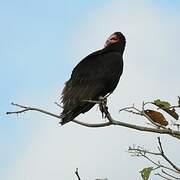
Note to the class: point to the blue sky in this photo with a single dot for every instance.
(41, 41)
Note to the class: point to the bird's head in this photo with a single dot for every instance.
(116, 37)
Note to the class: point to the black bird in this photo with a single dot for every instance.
(96, 75)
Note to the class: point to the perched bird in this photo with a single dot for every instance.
(96, 75)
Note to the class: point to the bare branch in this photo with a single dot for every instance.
(92, 125)
(132, 110)
(142, 152)
(165, 157)
(77, 174)
(138, 151)
(58, 105)
(164, 177)
(26, 108)
(158, 166)
(170, 175)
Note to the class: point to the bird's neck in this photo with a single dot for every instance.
(116, 47)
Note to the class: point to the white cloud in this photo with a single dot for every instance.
(54, 152)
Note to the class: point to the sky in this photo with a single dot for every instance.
(40, 43)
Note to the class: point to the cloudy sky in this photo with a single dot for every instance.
(40, 43)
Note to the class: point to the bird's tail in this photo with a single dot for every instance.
(67, 117)
(65, 120)
(70, 115)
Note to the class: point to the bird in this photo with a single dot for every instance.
(97, 75)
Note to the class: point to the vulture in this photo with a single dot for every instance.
(97, 75)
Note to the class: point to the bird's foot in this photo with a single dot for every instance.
(103, 106)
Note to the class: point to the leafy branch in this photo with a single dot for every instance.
(145, 173)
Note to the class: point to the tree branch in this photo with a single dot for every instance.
(77, 174)
(132, 126)
(144, 153)
(164, 177)
(165, 157)
(170, 175)
(26, 108)
(110, 122)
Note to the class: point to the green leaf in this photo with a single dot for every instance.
(166, 106)
(162, 104)
(145, 173)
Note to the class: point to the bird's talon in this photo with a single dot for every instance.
(103, 106)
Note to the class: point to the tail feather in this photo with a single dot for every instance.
(65, 118)
(72, 114)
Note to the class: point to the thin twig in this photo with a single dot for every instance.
(165, 157)
(58, 104)
(132, 150)
(77, 174)
(151, 161)
(142, 152)
(164, 177)
(170, 175)
(26, 108)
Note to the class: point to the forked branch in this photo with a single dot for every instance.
(27, 108)
(165, 157)
(171, 168)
